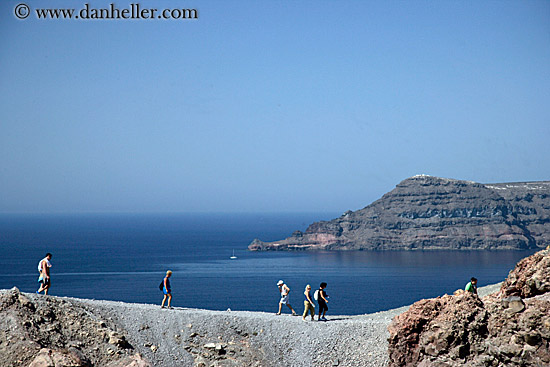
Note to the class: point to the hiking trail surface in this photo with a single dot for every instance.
(37, 330)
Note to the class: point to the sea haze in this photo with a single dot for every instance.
(123, 257)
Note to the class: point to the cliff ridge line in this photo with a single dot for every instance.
(433, 213)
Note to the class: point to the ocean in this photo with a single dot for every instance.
(123, 257)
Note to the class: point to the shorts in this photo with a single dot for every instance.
(323, 307)
(44, 281)
(284, 299)
(165, 291)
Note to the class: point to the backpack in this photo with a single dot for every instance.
(316, 295)
(161, 285)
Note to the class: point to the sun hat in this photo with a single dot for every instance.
(280, 282)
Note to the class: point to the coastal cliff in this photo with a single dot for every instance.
(431, 213)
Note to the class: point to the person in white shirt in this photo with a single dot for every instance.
(284, 290)
(44, 268)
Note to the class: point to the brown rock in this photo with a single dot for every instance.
(55, 358)
(530, 277)
(513, 303)
(46, 331)
(461, 330)
(444, 325)
(131, 361)
(118, 340)
(25, 302)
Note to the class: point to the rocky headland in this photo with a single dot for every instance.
(431, 213)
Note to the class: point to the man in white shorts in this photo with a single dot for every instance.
(284, 290)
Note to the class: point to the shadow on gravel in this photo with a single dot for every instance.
(337, 319)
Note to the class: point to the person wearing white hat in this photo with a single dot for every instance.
(284, 290)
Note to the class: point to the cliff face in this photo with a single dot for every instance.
(426, 213)
(509, 328)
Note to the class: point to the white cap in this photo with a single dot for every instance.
(280, 282)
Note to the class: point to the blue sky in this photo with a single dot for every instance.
(269, 105)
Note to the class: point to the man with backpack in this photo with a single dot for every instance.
(166, 289)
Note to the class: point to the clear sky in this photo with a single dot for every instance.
(268, 105)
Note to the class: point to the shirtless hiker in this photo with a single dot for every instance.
(44, 268)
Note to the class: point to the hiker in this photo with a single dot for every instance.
(322, 300)
(44, 266)
(167, 290)
(472, 286)
(284, 290)
(309, 306)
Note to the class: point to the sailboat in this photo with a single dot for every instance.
(233, 257)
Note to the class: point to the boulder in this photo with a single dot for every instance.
(135, 360)
(530, 277)
(513, 303)
(118, 339)
(464, 330)
(56, 358)
(444, 325)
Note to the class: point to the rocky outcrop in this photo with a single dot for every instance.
(509, 328)
(53, 332)
(530, 277)
(427, 213)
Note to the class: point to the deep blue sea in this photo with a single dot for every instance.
(124, 257)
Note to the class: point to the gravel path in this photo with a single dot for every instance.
(194, 337)
(180, 337)
(249, 338)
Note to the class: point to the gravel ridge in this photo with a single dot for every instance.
(197, 337)
(274, 340)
